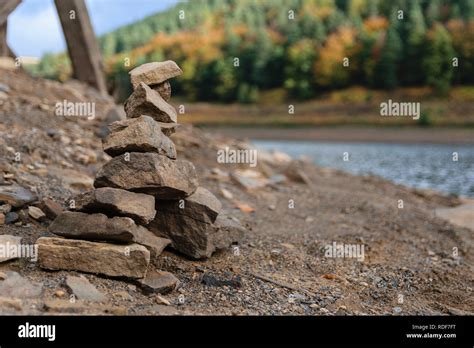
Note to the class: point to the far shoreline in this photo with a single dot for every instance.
(397, 135)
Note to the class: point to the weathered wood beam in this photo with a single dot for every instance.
(7, 7)
(3, 40)
(81, 42)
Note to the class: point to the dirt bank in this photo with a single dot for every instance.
(413, 263)
(414, 135)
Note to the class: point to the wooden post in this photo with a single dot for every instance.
(3, 40)
(82, 45)
(6, 7)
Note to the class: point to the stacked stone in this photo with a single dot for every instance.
(144, 198)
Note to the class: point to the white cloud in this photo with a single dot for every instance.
(33, 33)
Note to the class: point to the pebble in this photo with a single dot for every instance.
(162, 300)
(59, 293)
(36, 213)
(397, 309)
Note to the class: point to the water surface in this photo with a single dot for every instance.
(416, 165)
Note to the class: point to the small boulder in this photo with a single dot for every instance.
(141, 134)
(51, 208)
(116, 202)
(166, 128)
(15, 195)
(95, 227)
(146, 101)
(159, 282)
(149, 173)
(202, 205)
(16, 286)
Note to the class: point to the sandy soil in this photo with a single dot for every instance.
(281, 266)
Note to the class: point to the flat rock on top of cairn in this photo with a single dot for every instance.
(202, 205)
(116, 202)
(151, 173)
(146, 101)
(142, 134)
(112, 260)
(95, 227)
(154, 73)
(166, 128)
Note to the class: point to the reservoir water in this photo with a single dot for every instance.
(416, 165)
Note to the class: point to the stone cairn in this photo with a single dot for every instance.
(144, 198)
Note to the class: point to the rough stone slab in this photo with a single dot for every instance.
(16, 286)
(202, 205)
(15, 195)
(228, 230)
(146, 101)
(154, 244)
(194, 238)
(149, 173)
(154, 73)
(7, 241)
(142, 134)
(159, 282)
(95, 227)
(166, 128)
(112, 260)
(116, 202)
(190, 237)
(51, 208)
(83, 289)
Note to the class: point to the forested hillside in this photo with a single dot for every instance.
(230, 50)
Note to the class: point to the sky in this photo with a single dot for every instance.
(34, 27)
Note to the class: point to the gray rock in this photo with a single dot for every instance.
(202, 205)
(146, 101)
(194, 238)
(154, 73)
(112, 260)
(150, 173)
(166, 128)
(16, 195)
(154, 244)
(228, 230)
(83, 289)
(116, 202)
(11, 217)
(95, 227)
(16, 286)
(159, 282)
(141, 134)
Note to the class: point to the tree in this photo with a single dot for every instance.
(386, 72)
(437, 59)
(299, 78)
(414, 35)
